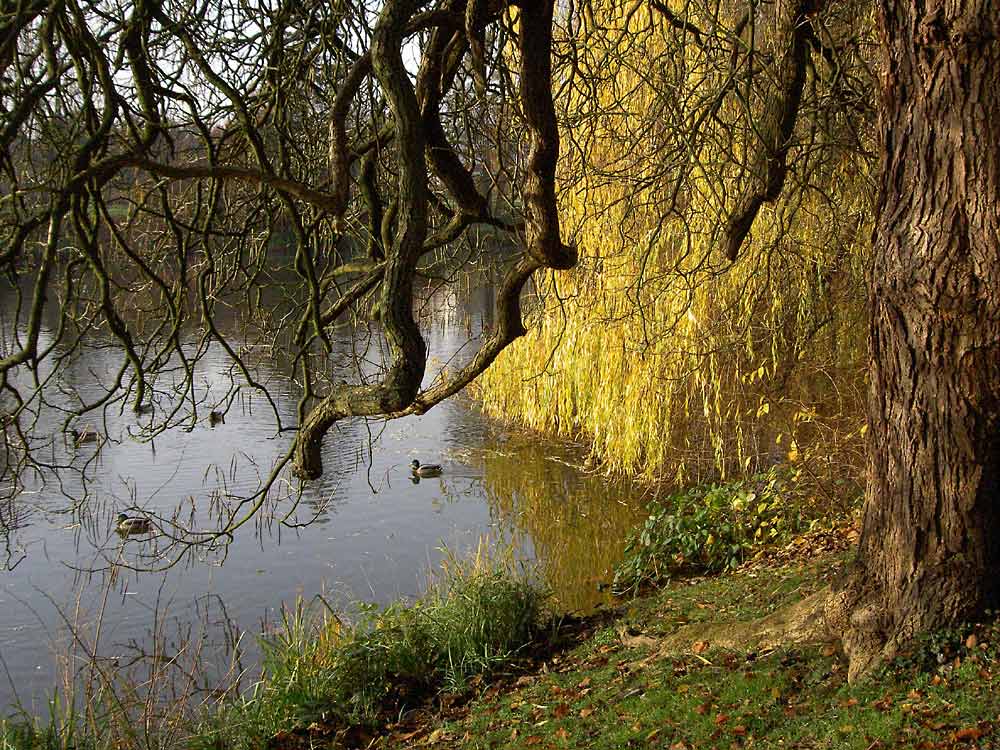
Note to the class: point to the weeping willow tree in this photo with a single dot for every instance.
(785, 171)
(717, 177)
(718, 184)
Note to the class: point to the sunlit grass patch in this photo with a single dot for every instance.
(618, 690)
(320, 671)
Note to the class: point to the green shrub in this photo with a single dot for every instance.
(706, 529)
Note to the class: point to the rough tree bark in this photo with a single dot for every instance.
(930, 544)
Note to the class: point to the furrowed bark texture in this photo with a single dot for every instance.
(930, 545)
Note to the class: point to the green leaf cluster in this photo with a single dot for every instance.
(707, 529)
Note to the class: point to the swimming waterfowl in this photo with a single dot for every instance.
(82, 438)
(425, 470)
(215, 417)
(132, 524)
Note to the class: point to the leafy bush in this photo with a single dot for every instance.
(706, 529)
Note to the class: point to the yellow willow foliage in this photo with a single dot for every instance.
(675, 363)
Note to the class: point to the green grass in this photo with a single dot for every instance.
(616, 691)
(323, 673)
(322, 676)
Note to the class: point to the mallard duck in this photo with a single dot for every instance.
(425, 470)
(215, 417)
(132, 525)
(82, 438)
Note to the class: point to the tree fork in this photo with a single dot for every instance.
(398, 394)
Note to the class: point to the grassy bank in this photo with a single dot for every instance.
(478, 663)
(323, 680)
(616, 689)
(339, 680)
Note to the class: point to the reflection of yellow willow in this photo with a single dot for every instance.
(577, 524)
(656, 348)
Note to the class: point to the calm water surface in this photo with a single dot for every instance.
(364, 532)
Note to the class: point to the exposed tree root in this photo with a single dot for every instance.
(799, 623)
(857, 625)
(836, 613)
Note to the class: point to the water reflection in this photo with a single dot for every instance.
(365, 531)
(576, 524)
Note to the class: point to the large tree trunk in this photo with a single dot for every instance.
(930, 543)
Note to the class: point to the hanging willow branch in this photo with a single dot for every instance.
(181, 159)
(786, 39)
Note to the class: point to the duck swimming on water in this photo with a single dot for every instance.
(126, 525)
(82, 438)
(425, 470)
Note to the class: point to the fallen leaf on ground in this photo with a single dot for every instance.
(969, 733)
(884, 703)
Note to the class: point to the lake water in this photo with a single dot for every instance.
(364, 532)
